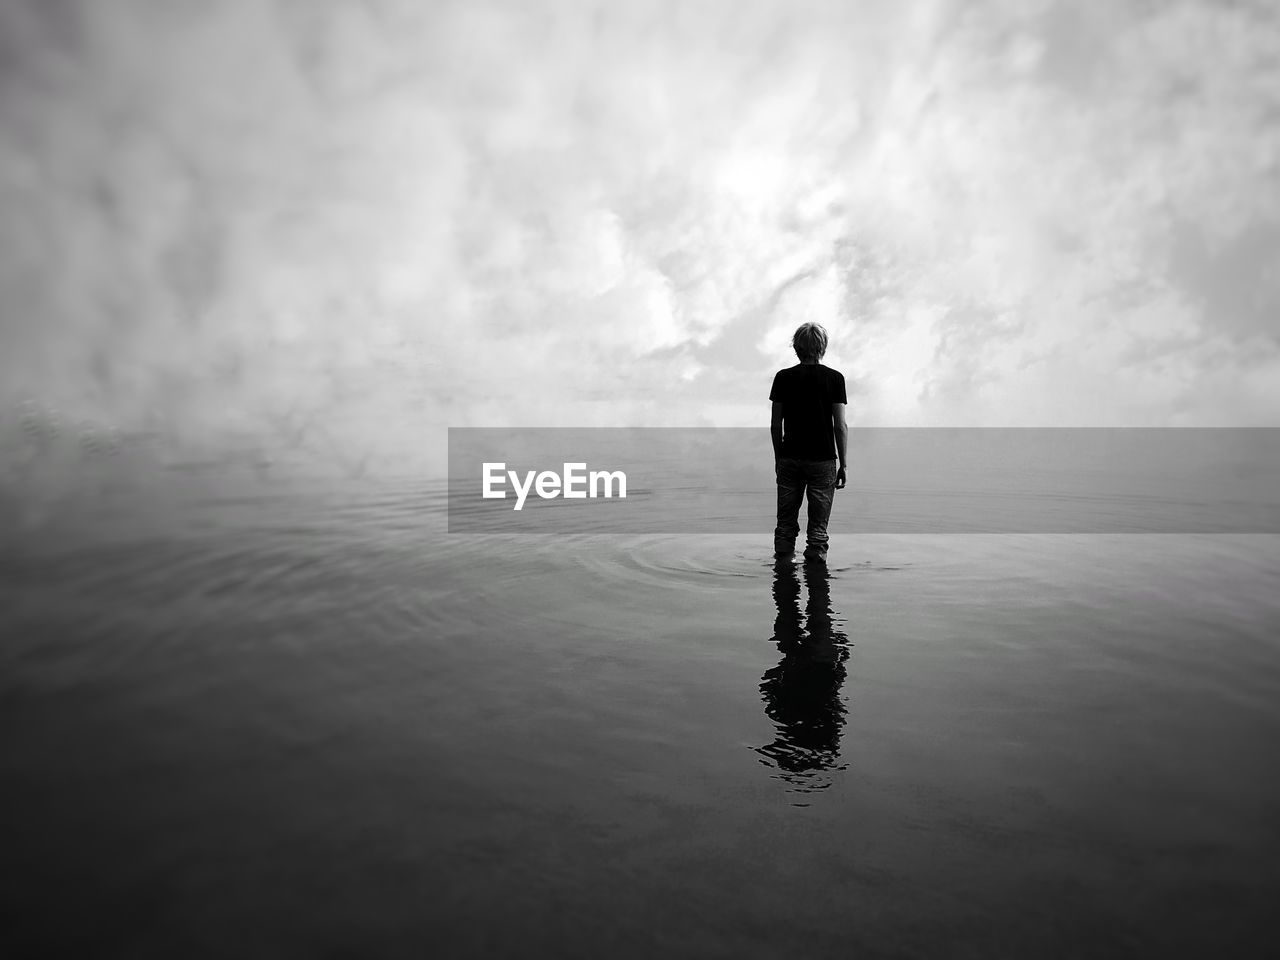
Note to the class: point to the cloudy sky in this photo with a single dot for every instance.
(368, 221)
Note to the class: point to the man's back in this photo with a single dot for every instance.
(806, 393)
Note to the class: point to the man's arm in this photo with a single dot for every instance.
(775, 429)
(842, 440)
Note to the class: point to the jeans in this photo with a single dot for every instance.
(818, 477)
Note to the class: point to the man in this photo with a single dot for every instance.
(809, 438)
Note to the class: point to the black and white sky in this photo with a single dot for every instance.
(397, 216)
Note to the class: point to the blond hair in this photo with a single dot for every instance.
(809, 341)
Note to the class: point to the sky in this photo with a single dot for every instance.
(343, 227)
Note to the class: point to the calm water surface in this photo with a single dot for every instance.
(285, 723)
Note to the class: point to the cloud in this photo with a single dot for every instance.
(390, 217)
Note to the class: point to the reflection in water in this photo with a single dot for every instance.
(802, 693)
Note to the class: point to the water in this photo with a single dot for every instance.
(263, 720)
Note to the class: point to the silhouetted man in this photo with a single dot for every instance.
(809, 438)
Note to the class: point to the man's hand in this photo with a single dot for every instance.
(840, 478)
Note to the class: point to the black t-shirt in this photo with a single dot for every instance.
(806, 392)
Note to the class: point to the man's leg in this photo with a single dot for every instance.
(821, 488)
(790, 492)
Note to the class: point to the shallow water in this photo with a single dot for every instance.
(259, 720)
